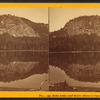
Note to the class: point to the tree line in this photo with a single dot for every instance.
(8, 42)
(81, 42)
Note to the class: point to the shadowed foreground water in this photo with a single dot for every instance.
(75, 72)
(24, 71)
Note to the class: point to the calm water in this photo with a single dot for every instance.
(80, 71)
(24, 71)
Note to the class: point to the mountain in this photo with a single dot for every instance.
(83, 25)
(19, 27)
(79, 34)
(23, 32)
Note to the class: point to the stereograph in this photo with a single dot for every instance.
(49, 50)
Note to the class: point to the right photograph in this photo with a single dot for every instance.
(74, 49)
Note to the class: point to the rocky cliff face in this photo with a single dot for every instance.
(83, 24)
(79, 34)
(19, 27)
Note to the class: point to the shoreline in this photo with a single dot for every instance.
(77, 52)
(23, 50)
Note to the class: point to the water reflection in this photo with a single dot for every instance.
(78, 69)
(23, 70)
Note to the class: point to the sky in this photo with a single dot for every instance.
(60, 16)
(35, 14)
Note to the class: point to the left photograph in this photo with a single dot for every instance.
(24, 36)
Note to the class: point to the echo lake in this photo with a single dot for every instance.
(24, 70)
(75, 71)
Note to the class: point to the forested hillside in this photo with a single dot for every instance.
(79, 34)
(17, 33)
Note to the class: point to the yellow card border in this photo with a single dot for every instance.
(49, 4)
(48, 94)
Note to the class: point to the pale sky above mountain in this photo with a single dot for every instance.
(60, 16)
(39, 15)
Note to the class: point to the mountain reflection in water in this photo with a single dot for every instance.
(78, 69)
(23, 70)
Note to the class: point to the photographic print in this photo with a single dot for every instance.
(24, 49)
(51, 51)
(74, 49)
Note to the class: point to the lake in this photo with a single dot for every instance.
(74, 71)
(24, 71)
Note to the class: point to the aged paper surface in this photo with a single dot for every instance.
(49, 50)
